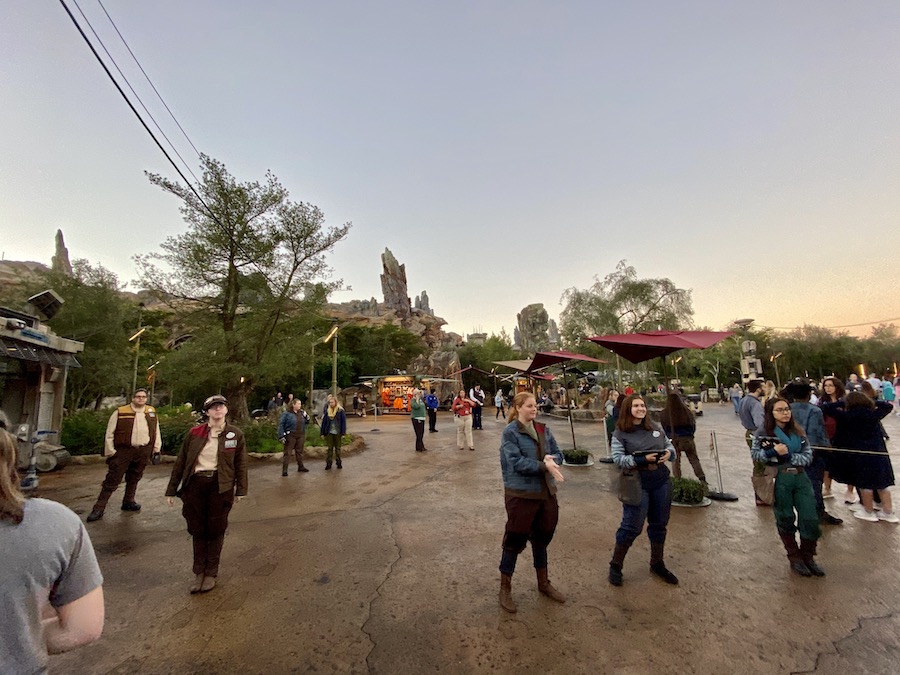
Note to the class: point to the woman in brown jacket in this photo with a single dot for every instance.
(209, 474)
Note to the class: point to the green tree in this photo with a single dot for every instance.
(623, 303)
(245, 278)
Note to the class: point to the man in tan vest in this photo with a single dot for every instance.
(132, 437)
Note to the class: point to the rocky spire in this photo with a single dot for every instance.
(393, 285)
(60, 261)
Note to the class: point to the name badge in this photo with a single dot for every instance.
(655, 434)
(232, 444)
(151, 414)
(230, 434)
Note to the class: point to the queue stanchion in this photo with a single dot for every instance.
(721, 495)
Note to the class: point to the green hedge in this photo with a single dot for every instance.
(83, 431)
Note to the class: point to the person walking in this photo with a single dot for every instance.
(417, 413)
(641, 444)
(612, 414)
(132, 438)
(751, 415)
(736, 394)
(780, 442)
(835, 463)
(362, 404)
(51, 587)
(209, 476)
(529, 462)
(431, 405)
(462, 407)
(292, 433)
(499, 404)
(334, 426)
(680, 425)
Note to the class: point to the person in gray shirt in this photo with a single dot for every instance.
(751, 415)
(51, 589)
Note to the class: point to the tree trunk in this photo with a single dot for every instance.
(237, 404)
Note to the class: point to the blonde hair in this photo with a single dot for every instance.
(11, 498)
(517, 403)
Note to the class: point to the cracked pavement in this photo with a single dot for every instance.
(390, 566)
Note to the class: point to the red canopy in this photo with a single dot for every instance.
(637, 347)
(544, 359)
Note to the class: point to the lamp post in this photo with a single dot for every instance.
(774, 359)
(675, 363)
(332, 335)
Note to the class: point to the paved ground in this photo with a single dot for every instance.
(390, 566)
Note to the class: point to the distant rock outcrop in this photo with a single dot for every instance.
(532, 332)
(393, 285)
(60, 262)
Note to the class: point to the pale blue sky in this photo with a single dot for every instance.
(504, 151)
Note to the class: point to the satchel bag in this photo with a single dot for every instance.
(628, 489)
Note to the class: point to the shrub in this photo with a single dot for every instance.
(688, 491)
(83, 431)
(174, 423)
(576, 456)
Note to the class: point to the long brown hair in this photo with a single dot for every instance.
(769, 423)
(517, 403)
(11, 498)
(627, 421)
(676, 413)
(839, 390)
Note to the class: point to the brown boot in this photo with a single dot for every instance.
(794, 555)
(808, 552)
(545, 587)
(506, 601)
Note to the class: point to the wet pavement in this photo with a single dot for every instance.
(390, 566)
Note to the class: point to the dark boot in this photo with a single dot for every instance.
(615, 565)
(328, 466)
(793, 554)
(808, 552)
(94, 515)
(545, 587)
(826, 518)
(506, 601)
(657, 566)
(339, 465)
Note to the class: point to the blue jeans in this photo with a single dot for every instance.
(654, 508)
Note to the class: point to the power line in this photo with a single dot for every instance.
(158, 95)
(846, 325)
(136, 95)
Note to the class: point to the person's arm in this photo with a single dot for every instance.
(553, 446)
(282, 424)
(240, 467)
(77, 623)
(621, 458)
(804, 457)
(757, 414)
(157, 444)
(884, 408)
(178, 469)
(108, 449)
(516, 457)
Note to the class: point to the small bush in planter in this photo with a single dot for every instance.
(688, 491)
(576, 456)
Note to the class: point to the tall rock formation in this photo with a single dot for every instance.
(393, 285)
(60, 261)
(532, 331)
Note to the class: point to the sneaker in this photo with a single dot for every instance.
(856, 507)
(826, 494)
(868, 516)
(851, 498)
(887, 517)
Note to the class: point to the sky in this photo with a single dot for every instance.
(503, 151)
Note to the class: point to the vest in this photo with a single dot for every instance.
(125, 426)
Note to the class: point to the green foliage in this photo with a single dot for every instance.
(244, 283)
(622, 303)
(688, 491)
(377, 350)
(483, 356)
(262, 436)
(83, 431)
(174, 423)
(577, 456)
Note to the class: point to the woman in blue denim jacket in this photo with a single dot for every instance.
(641, 444)
(529, 457)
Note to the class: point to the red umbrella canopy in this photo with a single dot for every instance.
(637, 347)
(544, 359)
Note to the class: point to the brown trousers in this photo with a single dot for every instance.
(293, 445)
(128, 463)
(206, 511)
(530, 519)
(686, 446)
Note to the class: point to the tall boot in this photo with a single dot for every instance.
(808, 553)
(506, 601)
(615, 565)
(545, 587)
(657, 564)
(794, 555)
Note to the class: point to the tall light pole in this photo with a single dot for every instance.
(332, 335)
(137, 345)
(774, 359)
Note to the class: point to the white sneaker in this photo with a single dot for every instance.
(887, 517)
(866, 515)
(826, 494)
(851, 498)
(856, 508)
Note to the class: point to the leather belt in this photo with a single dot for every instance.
(205, 474)
(791, 469)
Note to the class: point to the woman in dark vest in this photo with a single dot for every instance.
(641, 444)
(209, 475)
